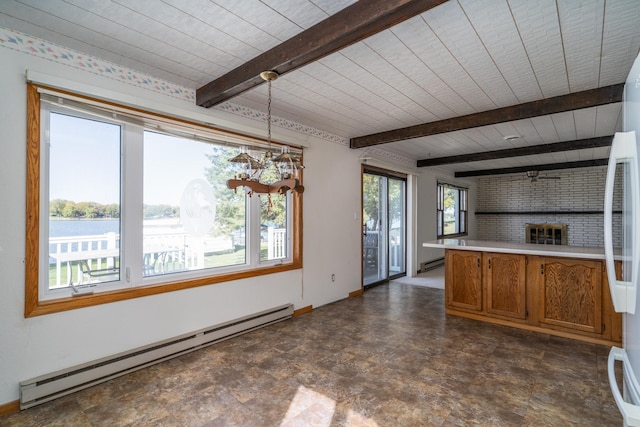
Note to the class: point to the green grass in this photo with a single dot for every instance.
(224, 259)
(230, 258)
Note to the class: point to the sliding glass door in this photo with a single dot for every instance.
(384, 225)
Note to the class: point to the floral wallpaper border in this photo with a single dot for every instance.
(25, 43)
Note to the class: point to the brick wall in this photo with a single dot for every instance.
(576, 190)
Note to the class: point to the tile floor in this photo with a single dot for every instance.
(388, 358)
(431, 279)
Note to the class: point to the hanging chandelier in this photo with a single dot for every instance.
(285, 166)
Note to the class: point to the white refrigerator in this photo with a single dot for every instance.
(624, 150)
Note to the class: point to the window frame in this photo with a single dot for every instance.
(35, 305)
(462, 215)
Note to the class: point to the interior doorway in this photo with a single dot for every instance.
(384, 215)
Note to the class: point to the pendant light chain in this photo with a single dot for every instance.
(269, 114)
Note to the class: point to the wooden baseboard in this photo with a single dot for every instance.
(303, 310)
(10, 408)
(356, 293)
(575, 336)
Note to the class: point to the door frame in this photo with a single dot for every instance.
(389, 174)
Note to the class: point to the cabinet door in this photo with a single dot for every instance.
(571, 294)
(463, 280)
(505, 285)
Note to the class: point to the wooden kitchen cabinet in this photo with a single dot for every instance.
(504, 279)
(463, 277)
(570, 294)
(561, 296)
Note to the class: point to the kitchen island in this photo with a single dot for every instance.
(554, 289)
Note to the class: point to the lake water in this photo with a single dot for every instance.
(83, 227)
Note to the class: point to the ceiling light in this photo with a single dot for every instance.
(511, 137)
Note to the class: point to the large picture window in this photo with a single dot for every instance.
(126, 206)
(452, 210)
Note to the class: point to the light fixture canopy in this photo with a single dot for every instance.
(249, 169)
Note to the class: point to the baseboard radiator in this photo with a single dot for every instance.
(57, 384)
(430, 265)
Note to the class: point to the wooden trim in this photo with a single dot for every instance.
(35, 307)
(545, 167)
(10, 408)
(72, 303)
(32, 238)
(532, 328)
(350, 25)
(303, 310)
(581, 144)
(375, 170)
(356, 293)
(542, 107)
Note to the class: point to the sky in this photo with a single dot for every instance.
(85, 166)
(168, 169)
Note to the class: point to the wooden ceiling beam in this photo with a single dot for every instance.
(545, 167)
(581, 144)
(542, 107)
(352, 24)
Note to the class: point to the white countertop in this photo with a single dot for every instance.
(518, 248)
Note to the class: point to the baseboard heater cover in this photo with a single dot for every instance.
(430, 265)
(61, 383)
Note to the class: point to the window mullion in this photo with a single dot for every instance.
(289, 224)
(253, 229)
(43, 277)
(132, 208)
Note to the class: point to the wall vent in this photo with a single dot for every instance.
(61, 383)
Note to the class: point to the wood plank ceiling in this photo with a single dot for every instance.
(460, 58)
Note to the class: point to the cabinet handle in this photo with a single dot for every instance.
(541, 268)
(489, 262)
(478, 262)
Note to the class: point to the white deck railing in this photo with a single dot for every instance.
(276, 243)
(96, 258)
(100, 250)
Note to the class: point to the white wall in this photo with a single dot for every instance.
(427, 199)
(39, 345)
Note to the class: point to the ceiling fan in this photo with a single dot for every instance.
(534, 175)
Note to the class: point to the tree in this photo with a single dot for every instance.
(160, 211)
(112, 210)
(70, 210)
(370, 200)
(229, 204)
(56, 207)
